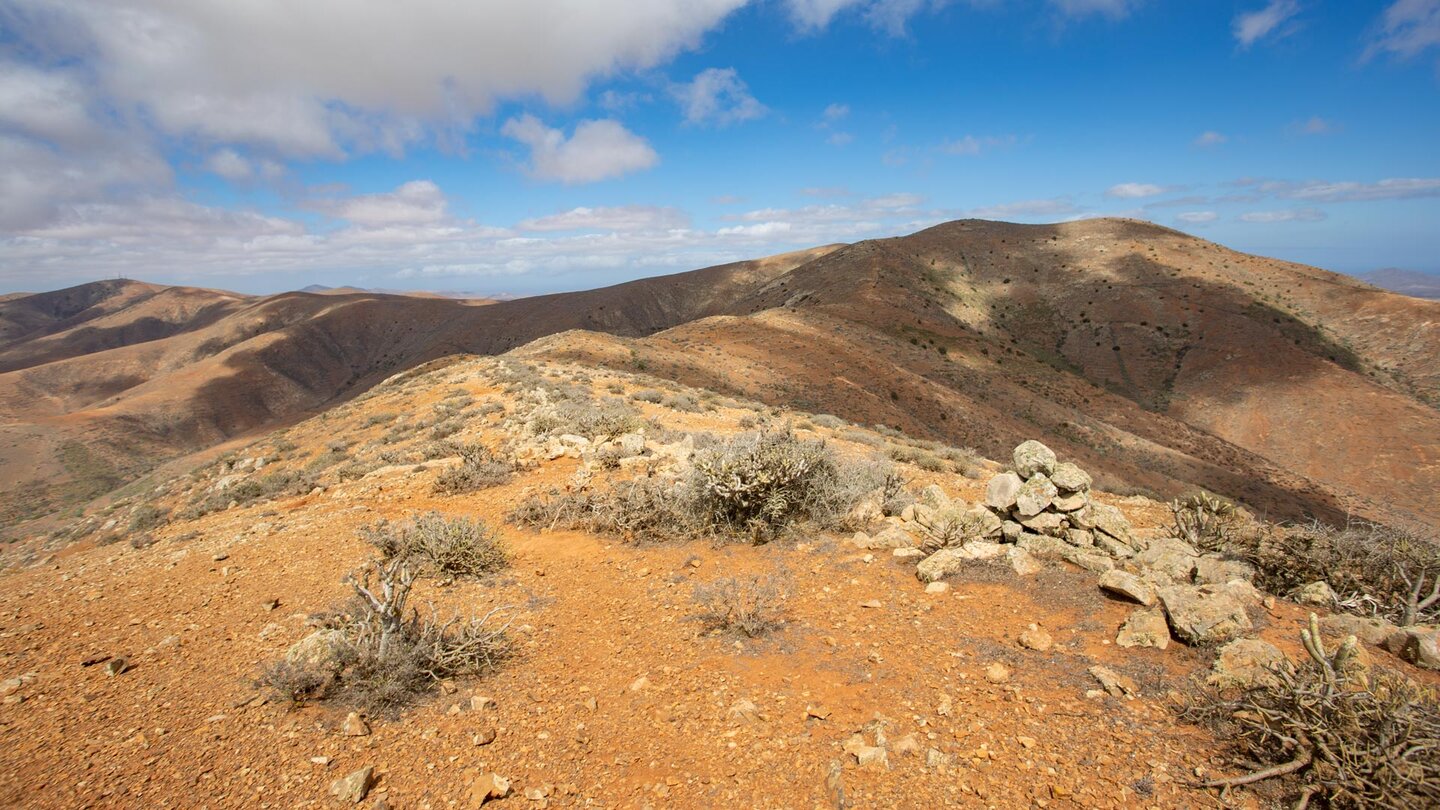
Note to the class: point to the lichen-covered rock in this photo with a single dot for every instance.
(1032, 457)
(1070, 478)
(1113, 547)
(1001, 491)
(1369, 629)
(1035, 495)
(934, 497)
(1045, 523)
(1244, 663)
(1197, 617)
(1128, 585)
(1090, 561)
(1079, 537)
(1168, 559)
(941, 564)
(1417, 644)
(316, 651)
(887, 538)
(1022, 562)
(1011, 531)
(1145, 628)
(1105, 518)
(1315, 593)
(1219, 571)
(1072, 502)
(983, 523)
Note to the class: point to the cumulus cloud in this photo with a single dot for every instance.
(308, 83)
(835, 112)
(1210, 138)
(597, 150)
(1314, 125)
(718, 97)
(418, 202)
(1292, 215)
(616, 218)
(1407, 28)
(1254, 26)
(1134, 191)
(237, 168)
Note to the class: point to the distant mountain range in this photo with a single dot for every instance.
(321, 289)
(1405, 282)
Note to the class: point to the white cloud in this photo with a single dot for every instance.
(1210, 138)
(840, 139)
(598, 150)
(1134, 191)
(717, 96)
(971, 145)
(825, 191)
(1254, 26)
(49, 105)
(1107, 8)
(889, 16)
(835, 112)
(418, 202)
(1197, 217)
(617, 218)
(365, 74)
(39, 182)
(1407, 28)
(1292, 215)
(1314, 125)
(1050, 208)
(236, 168)
(1398, 188)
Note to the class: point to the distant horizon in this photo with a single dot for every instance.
(153, 139)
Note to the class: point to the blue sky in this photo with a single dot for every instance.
(523, 147)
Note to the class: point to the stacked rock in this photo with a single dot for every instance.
(1045, 498)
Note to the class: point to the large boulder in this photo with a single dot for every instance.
(983, 523)
(1045, 523)
(1032, 457)
(1105, 518)
(1035, 495)
(1168, 559)
(1070, 478)
(1001, 491)
(1219, 571)
(1128, 585)
(1198, 617)
(948, 561)
(1417, 644)
(317, 651)
(1369, 629)
(887, 538)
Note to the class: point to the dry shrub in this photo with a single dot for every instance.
(1372, 568)
(1352, 737)
(387, 654)
(1205, 521)
(440, 545)
(479, 468)
(750, 606)
(598, 421)
(638, 511)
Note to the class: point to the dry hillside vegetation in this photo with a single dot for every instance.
(492, 580)
(1159, 362)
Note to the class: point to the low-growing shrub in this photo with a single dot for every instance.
(598, 421)
(1373, 569)
(638, 511)
(648, 395)
(146, 517)
(1333, 729)
(383, 418)
(381, 655)
(440, 545)
(478, 469)
(750, 605)
(1205, 521)
(681, 402)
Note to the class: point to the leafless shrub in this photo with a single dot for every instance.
(440, 545)
(599, 421)
(1373, 569)
(650, 395)
(750, 605)
(1205, 521)
(681, 402)
(1333, 730)
(479, 468)
(639, 511)
(146, 517)
(389, 654)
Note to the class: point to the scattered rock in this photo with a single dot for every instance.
(1417, 644)
(1114, 683)
(1369, 629)
(1145, 628)
(889, 537)
(1129, 586)
(908, 745)
(1021, 562)
(1316, 593)
(354, 726)
(485, 787)
(1216, 571)
(317, 650)
(1032, 457)
(1200, 618)
(484, 736)
(937, 587)
(1168, 559)
(997, 673)
(1244, 663)
(354, 788)
(117, 666)
(941, 564)
(744, 709)
(1035, 638)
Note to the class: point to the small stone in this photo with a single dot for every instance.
(354, 788)
(484, 736)
(1244, 663)
(907, 553)
(817, 711)
(117, 666)
(744, 709)
(872, 604)
(354, 726)
(220, 556)
(482, 703)
(935, 758)
(997, 673)
(639, 683)
(486, 787)
(937, 587)
(1114, 683)
(1145, 628)
(1417, 644)
(1022, 562)
(1316, 593)
(908, 745)
(323, 762)
(1035, 638)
